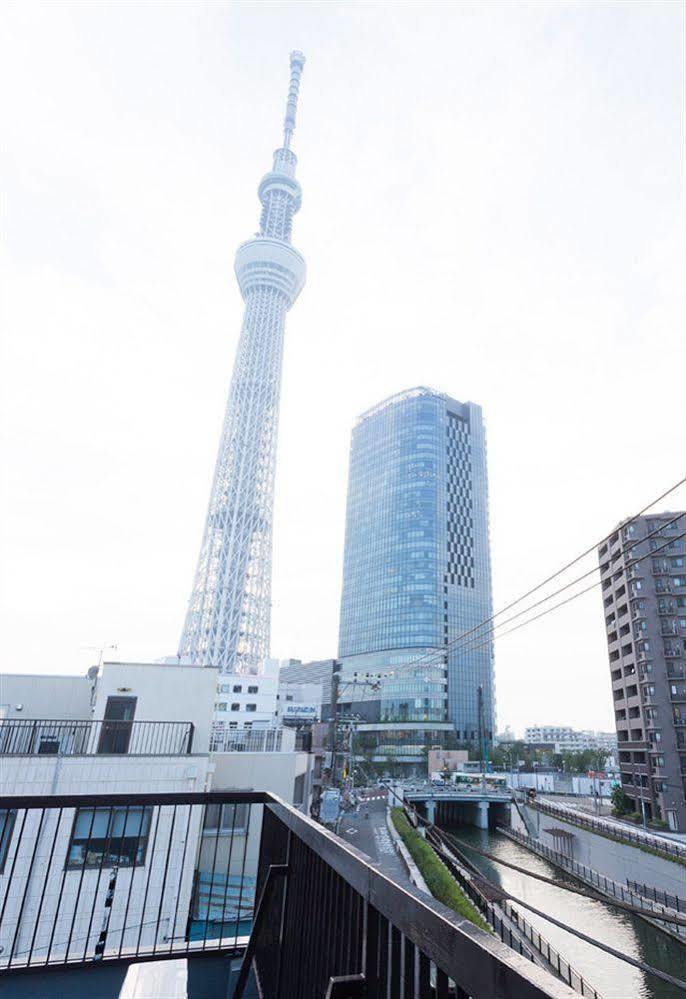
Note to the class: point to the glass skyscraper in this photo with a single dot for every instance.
(417, 571)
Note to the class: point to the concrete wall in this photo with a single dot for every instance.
(44, 775)
(164, 693)
(275, 772)
(36, 695)
(618, 861)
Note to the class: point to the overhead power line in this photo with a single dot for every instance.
(574, 596)
(486, 638)
(634, 910)
(648, 969)
(437, 656)
(584, 575)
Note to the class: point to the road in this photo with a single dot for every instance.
(366, 829)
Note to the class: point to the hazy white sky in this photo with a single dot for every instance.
(493, 206)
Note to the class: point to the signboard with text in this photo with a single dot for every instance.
(297, 711)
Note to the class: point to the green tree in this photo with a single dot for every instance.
(621, 804)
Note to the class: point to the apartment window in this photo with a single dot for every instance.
(109, 837)
(235, 707)
(252, 690)
(223, 688)
(677, 563)
(238, 688)
(220, 706)
(7, 817)
(251, 707)
(222, 820)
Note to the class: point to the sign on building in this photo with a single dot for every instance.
(295, 711)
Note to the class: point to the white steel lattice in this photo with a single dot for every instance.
(228, 619)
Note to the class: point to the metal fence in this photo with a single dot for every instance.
(617, 829)
(251, 740)
(96, 878)
(51, 737)
(648, 891)
(329, 923)
(523, 929)
(604, 884)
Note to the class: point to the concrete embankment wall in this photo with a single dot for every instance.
(618, 861)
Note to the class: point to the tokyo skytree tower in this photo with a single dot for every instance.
(228, 619)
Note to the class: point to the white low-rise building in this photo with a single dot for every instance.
(566, 739)
(155, 871)
(247, 699)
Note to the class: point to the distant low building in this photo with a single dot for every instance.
(566, 739)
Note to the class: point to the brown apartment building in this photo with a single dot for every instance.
(643, 574)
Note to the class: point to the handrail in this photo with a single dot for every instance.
(564, 969)
(600, 881)
(94, 737)
(465, 953)
(138, 857)
(610, 828)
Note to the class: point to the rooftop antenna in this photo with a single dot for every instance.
(297, 63)
(98, 648)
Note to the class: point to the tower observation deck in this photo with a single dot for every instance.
(228, 619)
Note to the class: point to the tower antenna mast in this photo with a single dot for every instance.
(228, 619)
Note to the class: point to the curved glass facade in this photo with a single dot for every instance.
(416, 571)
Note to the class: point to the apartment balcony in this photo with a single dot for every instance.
(54, 737)
(104, 880)
(633, 745)
(640, 769)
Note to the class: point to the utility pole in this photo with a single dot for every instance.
(483, 751)
(333, 720)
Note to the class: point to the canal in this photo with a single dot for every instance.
(629, 934)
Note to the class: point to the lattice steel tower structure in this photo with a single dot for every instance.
(228, 619)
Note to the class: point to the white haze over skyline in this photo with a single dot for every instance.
(492, 206)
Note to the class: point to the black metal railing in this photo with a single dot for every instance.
(87, 878)
(600, 881)
(95, 878)
(523, 929)
(329, 923)
(619, 830)
(663, 897)
(54, 737)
